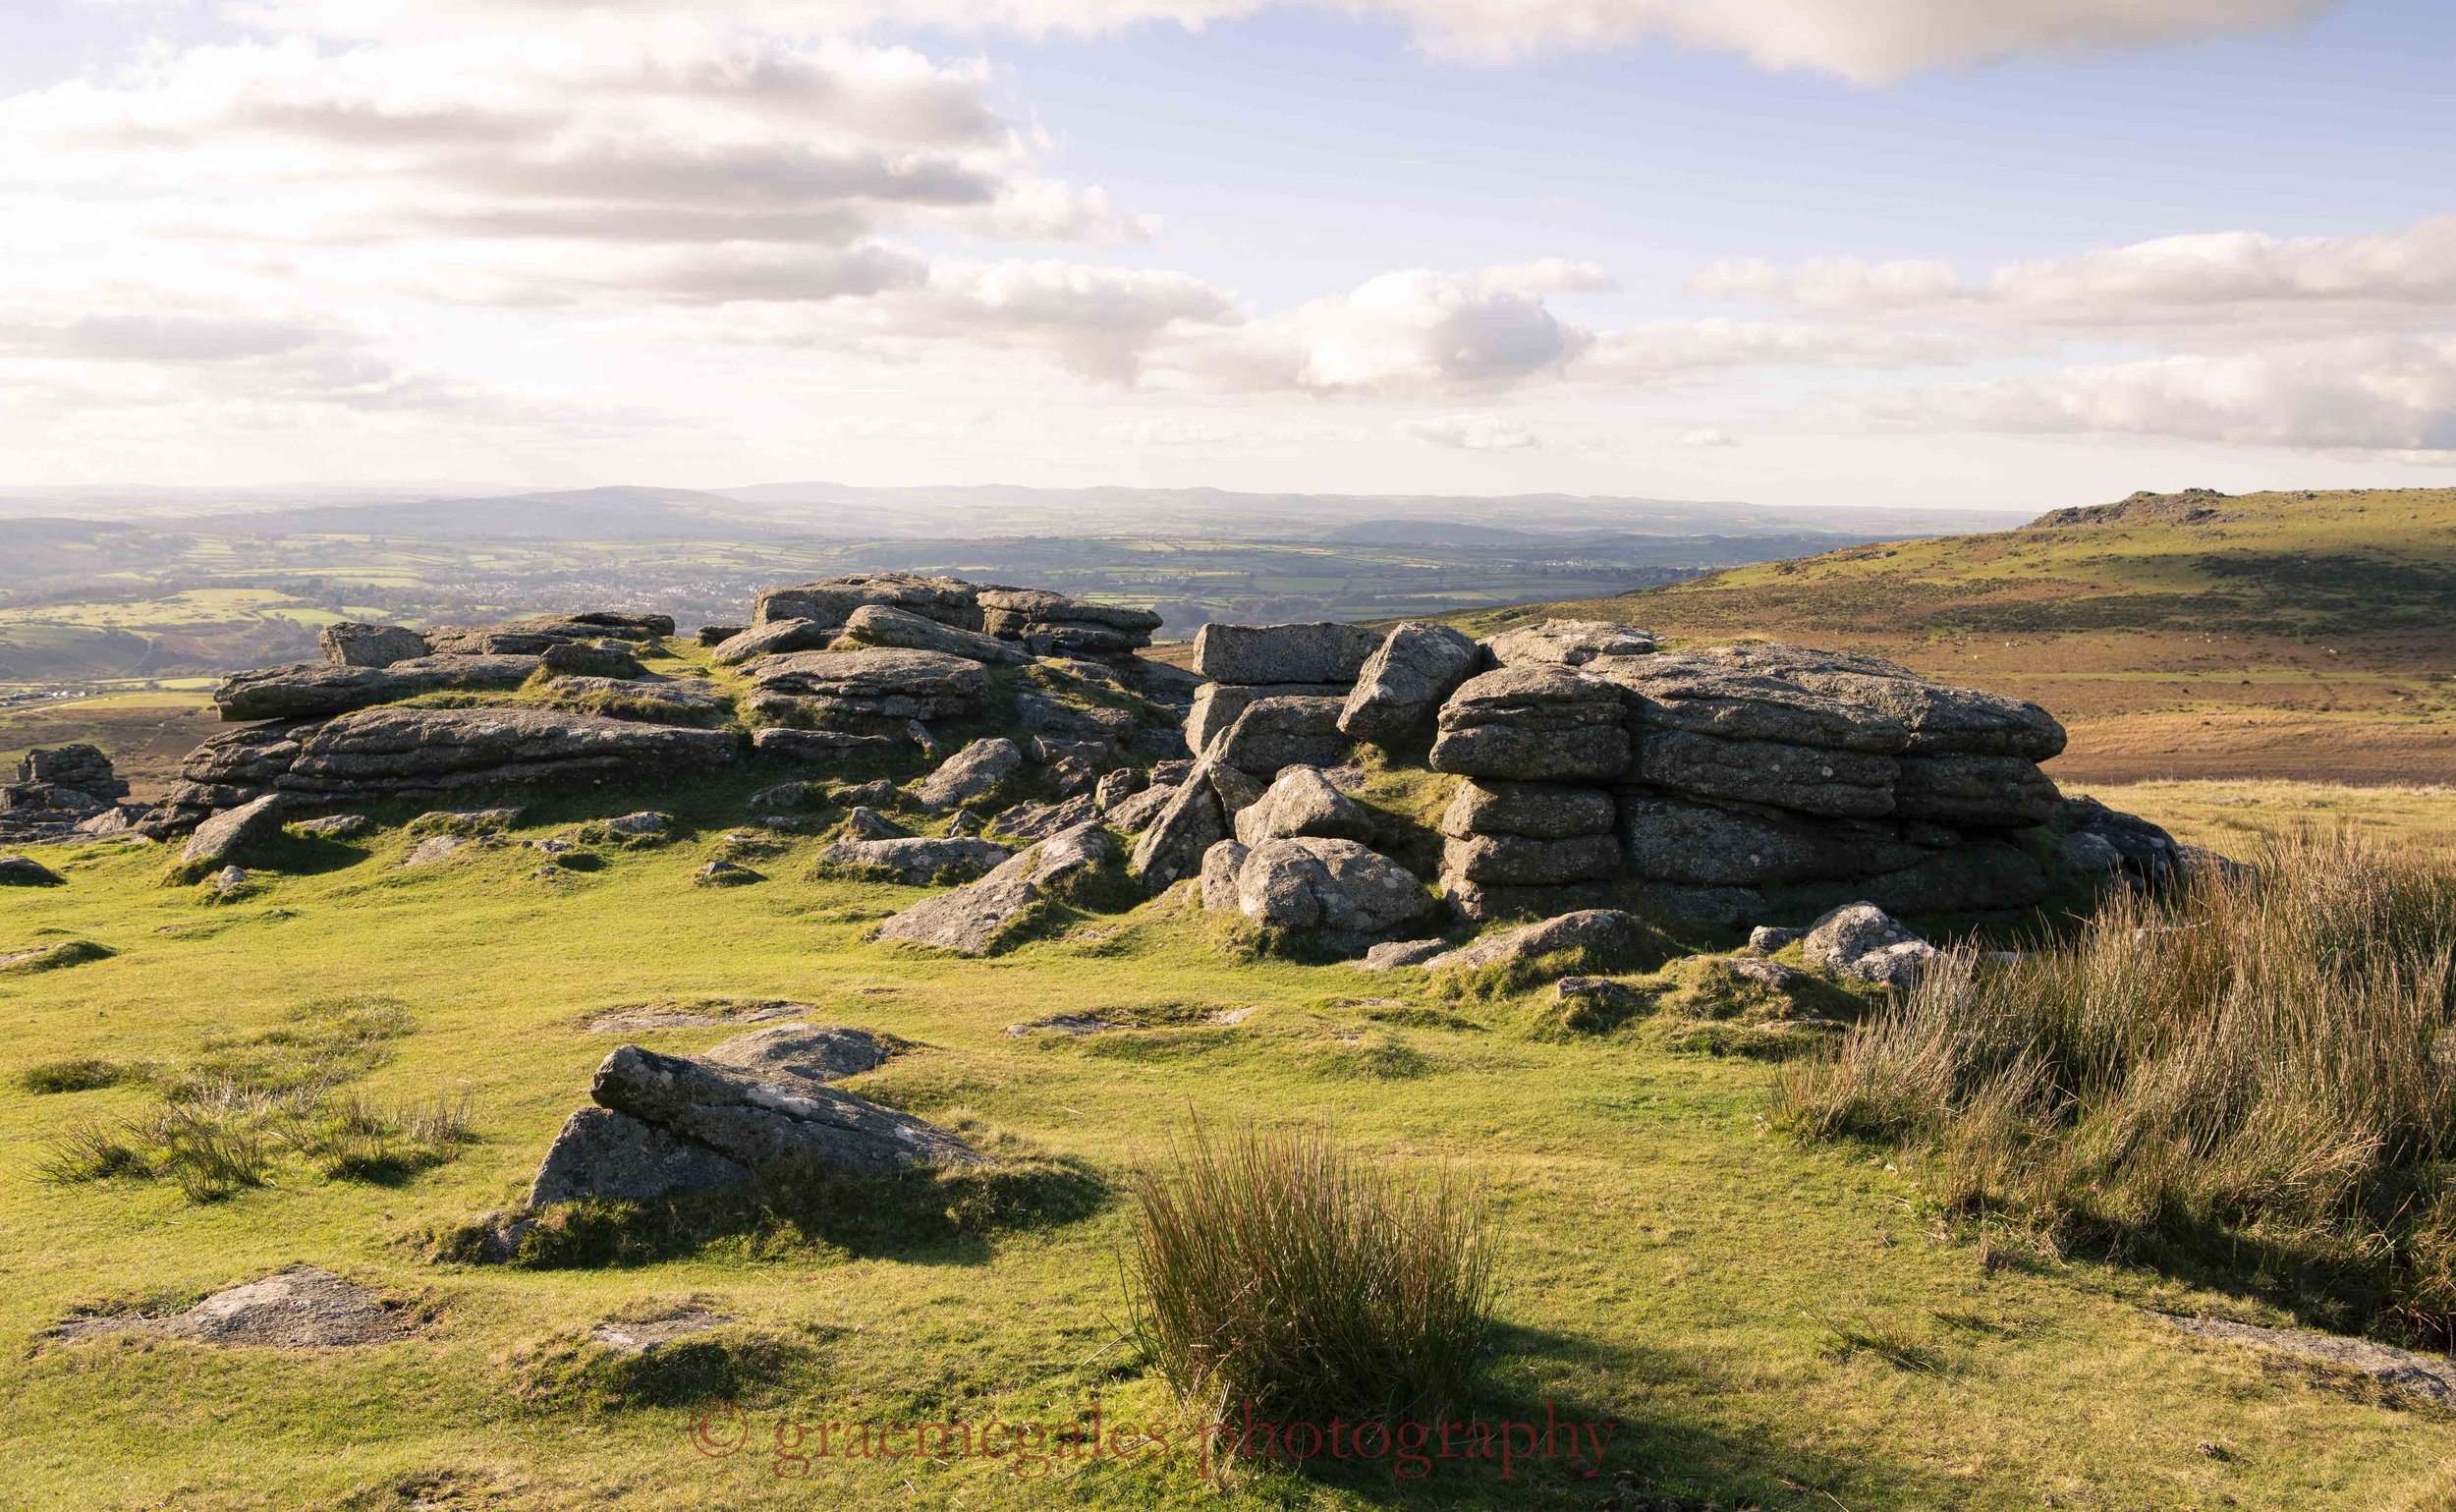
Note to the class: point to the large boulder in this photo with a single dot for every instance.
(1302, 801)
(1863, 941)
(1283, 653)
(753, 1122)
(916, 861)
(1534, 723)
(948, 601)
(773, 638)
(1220, 865)
(607, 659)
(615, 1157)
(349, 644)
(428, 751)
(980, 917)
(1539, 811)
(1401, 687)
(970, 774)
(650, 698)
(879, 687)
(1218, 705)
(225, 834)
(530, 637)
(315, 690)
(1332, 888)
(1746, 694)
(1274, 733)
(1567, 644)
(879, 625)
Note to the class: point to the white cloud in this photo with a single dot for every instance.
(1472, 432)
(1409, 333)
(2364, 393)
(1856, 40)
(1708, 436)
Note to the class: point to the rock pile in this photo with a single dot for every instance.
(62, 792)
(1275, 693)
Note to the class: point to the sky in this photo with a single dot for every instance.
(2023, 254)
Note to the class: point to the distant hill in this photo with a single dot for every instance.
(2290, 632)
(623, 513)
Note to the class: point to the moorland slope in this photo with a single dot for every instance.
(2297, 634)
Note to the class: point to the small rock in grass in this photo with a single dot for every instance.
(1772, 937)
(789, 795)
(880, 794)
(333, 827)
(25, 872)
(644, 823)
(435, 848)
(725, 874)
(1393, 954)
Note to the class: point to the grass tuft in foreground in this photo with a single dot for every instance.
(2250, 1076)
(1277, 1268)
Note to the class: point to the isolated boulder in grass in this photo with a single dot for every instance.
(755, 1122)
(25, 872)
(1863, 941)
(1600, 936)
(218, 838)
(916, 861)
(616, 1158)
(1402, 686)
(791, 1053)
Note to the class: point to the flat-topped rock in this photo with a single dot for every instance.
(884, 685)
(1275, 733)
(1541, 810)
(823, 748)
(315, 690)
(970, 774)
(1596, 935)
(428, 751)
(1217, 706)
(1319, 652)
(608, 660)
(916, 861)
(1567, 644)
(790, 1053)
(1534, 723)
(832, 601)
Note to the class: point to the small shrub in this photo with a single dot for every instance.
(1278, 1269)
(81, 1074)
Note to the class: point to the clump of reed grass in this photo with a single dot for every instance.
(1277, 1268)
(2255, 1070)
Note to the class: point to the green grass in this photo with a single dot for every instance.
(1664, 1260)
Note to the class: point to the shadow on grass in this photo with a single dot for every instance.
(925, 1215)
(301, 855)
(1653, 1454)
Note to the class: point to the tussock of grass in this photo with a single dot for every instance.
(83, 1073)
(51, 958)
(1277, 1268)
(2251, 1075)
(575, 1375)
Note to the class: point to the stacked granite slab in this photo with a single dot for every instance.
(1741, 784)
(1053, 625)
(1274, 694)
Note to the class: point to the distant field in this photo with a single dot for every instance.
(2293, 634)
(145, 732)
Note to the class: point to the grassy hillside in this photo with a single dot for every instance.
(2290, 634)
